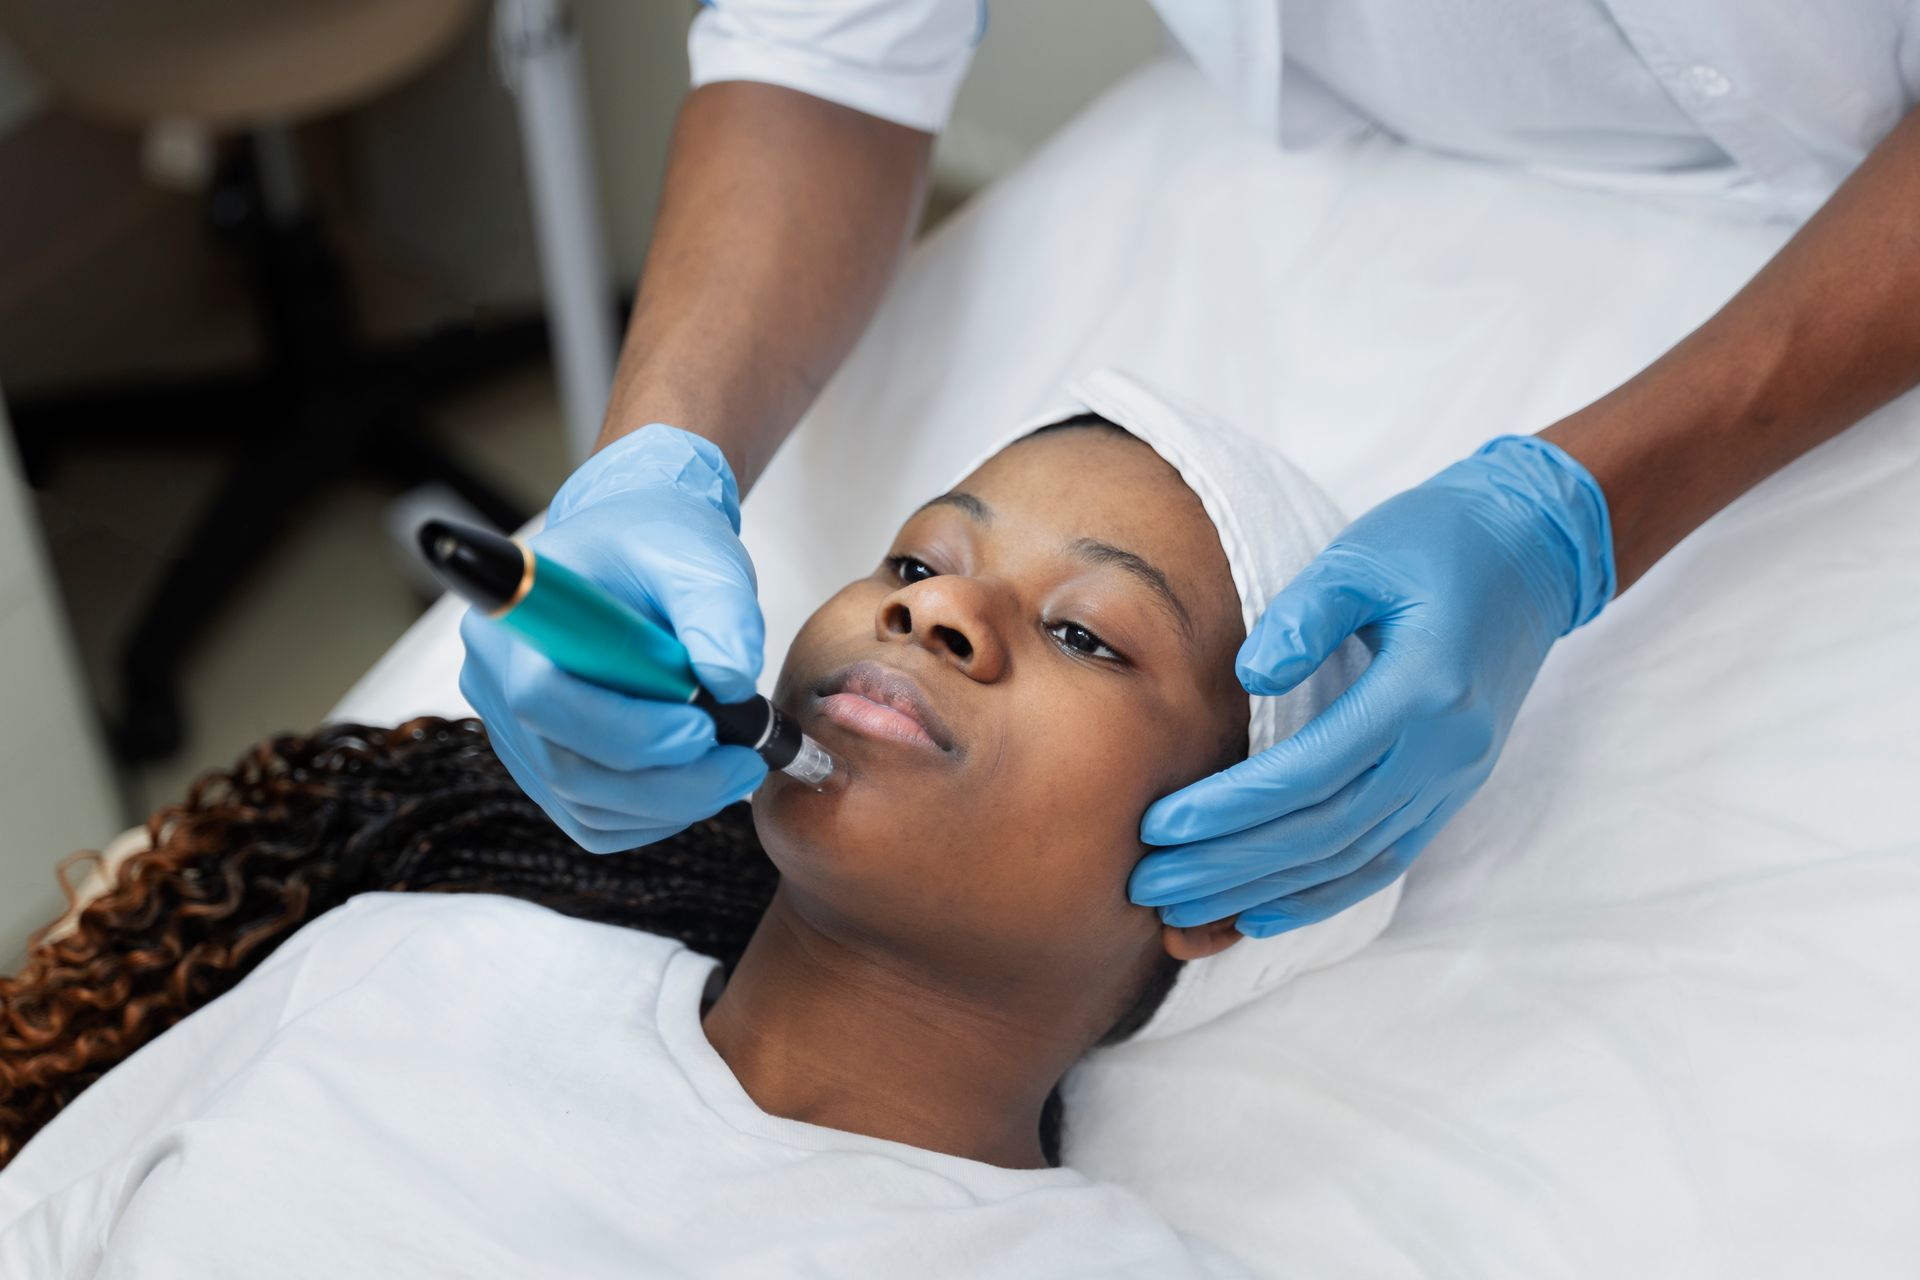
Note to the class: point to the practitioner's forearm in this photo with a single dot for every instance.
(1825, 334)
(780, 223)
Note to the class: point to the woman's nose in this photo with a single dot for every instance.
(951, 617)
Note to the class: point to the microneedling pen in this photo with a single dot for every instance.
(587, 632)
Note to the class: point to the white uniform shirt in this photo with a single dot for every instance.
(1576, 95)
(428, 1085)
(1795, 93)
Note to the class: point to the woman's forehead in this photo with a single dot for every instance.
(1103, 484)
(1089, 477)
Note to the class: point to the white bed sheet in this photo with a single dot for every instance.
(1651, 1006)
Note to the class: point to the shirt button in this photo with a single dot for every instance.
(1708, 82)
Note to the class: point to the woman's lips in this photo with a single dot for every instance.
(876, 719)
(884, 702)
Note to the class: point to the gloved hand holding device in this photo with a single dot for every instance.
(1459, 587)
(654, 517)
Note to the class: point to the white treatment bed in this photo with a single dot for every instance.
(1651, 1005)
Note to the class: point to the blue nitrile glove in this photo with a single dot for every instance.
(655, 518)
(1459, 587)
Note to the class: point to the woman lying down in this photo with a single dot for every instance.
(363, 1010)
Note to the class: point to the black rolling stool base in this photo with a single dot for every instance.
(325, 406)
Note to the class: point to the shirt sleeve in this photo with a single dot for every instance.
(60, 1197)
(901, 60)
(65, 1234)
(172, 1076)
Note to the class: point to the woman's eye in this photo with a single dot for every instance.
(909, 570)
(1071, 635)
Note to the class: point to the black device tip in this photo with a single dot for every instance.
(478, 564)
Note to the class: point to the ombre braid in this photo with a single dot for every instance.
(294, 829)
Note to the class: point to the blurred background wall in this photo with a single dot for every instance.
(107, 274)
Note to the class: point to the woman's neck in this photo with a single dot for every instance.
(821, 1031)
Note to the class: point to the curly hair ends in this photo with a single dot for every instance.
(301, 824)
(294, 829)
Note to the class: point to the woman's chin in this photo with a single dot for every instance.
(880, 816)
(785, 804)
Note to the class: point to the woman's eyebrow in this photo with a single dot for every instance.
(1091, 550)
(978, 510)
(1095, 551)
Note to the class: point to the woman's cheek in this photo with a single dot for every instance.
(846, 618)
(1117, 737)
(1097, 766)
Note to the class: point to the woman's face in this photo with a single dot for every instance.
(1043, 652)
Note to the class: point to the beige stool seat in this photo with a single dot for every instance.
(228, 64)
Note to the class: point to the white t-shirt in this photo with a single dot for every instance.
(474, 1086)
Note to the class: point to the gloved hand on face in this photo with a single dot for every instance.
(1459, 587)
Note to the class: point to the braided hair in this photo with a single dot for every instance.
(301, 824)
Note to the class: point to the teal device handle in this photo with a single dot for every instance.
(589, 633)
(592, 635)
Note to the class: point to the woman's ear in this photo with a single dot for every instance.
(1197, 942)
